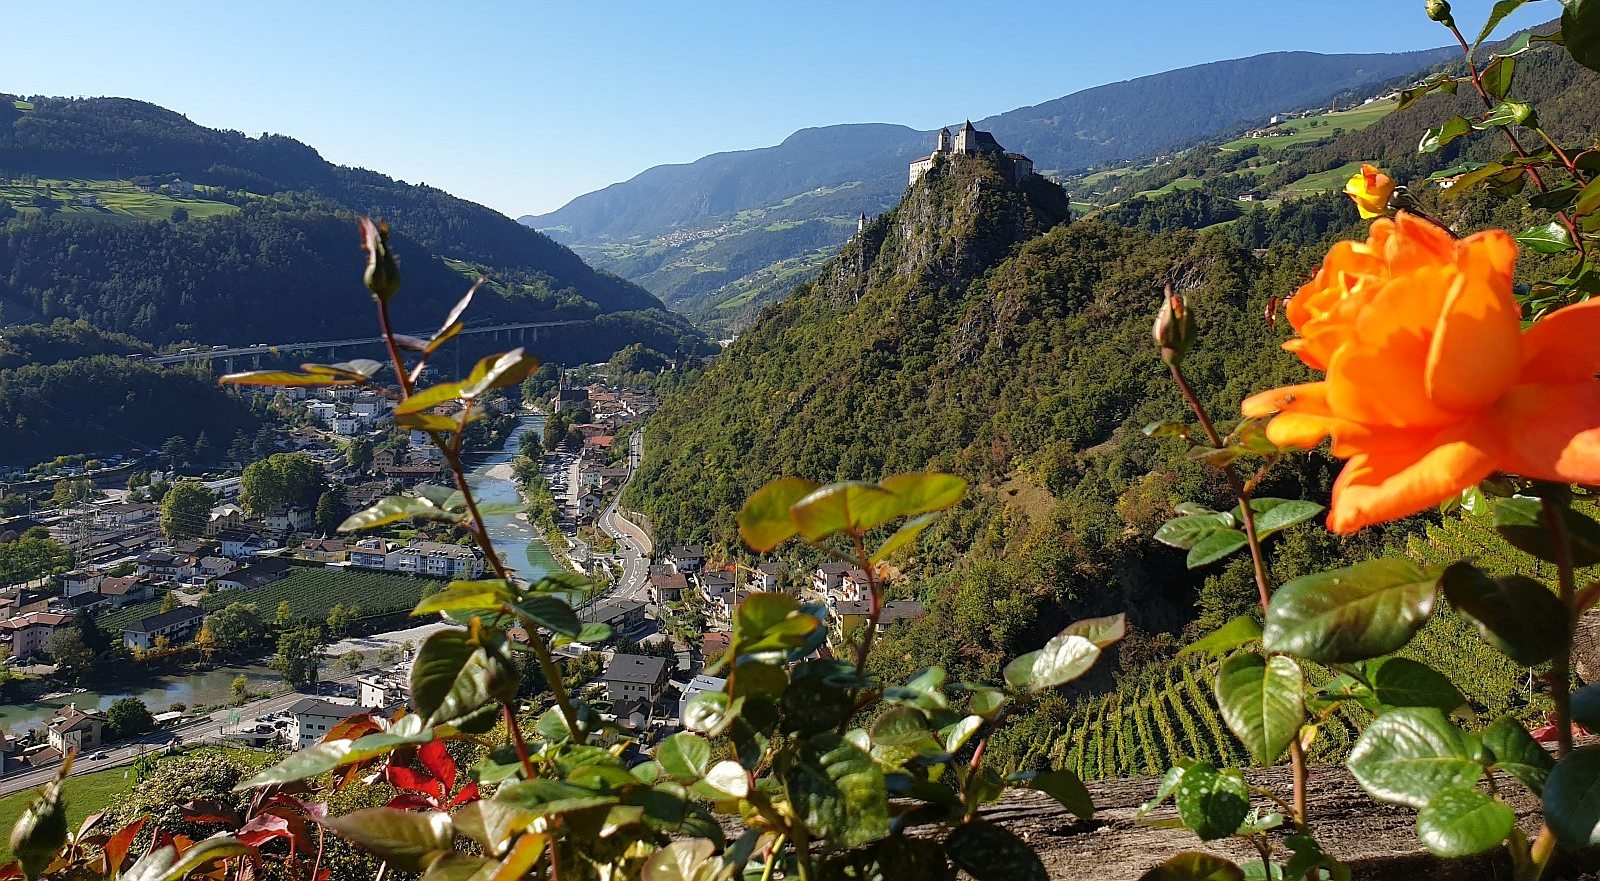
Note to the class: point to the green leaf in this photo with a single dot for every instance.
(1437, 137)
(391, 509)
(1580, 31)
(1517, 753)
(850, 506)
(1515, 614)
(765, 521)
(1351, 614)
(767, 621)
(1240, 630)
(1275, 515)
(1462, 822)
(710, 712)
(1067, 789)
(1588, 199)
(1497, 77)
(685, 756)
(683, 860)
(990, 853)
(837, 790)
(454, 675)
(1211, 803)
(460, 867)
(904, 536)
(958, 733)
(551, 613)
(1501, 9)
(286, 378)
(1520, 520)
(42, 829)
(429, 398)
(900, 725)
(545, 796)
(1215, 546)
(461, 596)
(1063, 659)
(1572, 798)
(1188, 530)
(498, 371)
(1408, 756)
(727, 779)
(922, 492)
(1586, 706)
(1507, 113)
(1546, 238)
(1194, 866)
(203, 852)
(1263, 702)
(1402, 682)
(1103, 631)
(406, 839)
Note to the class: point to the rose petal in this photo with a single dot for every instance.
(1552, 432)
(1476, 353)
(1411, 472)
(1564, 346)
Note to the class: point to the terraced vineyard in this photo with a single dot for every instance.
(313, 590)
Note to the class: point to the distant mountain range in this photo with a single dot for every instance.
(724, 233)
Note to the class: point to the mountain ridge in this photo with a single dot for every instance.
(698, 233)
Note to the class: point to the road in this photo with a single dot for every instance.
(277, 348)
(129, 751)
(633, 546)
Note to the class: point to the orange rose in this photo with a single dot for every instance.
(1371, 189)
(1431, 384)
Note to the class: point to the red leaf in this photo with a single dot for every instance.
(263, 828)
(410, 801)
(401, 777)
(208, 810)
(436, 758)
(356, 726)
(467, 793)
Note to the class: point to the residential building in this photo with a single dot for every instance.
(635, 677)
(70, 728)
(323, 550)
(224, 518)
(770, 576)
(258, 574)
(687, 558)
(666, 587)
(853, 587)
(826, 577)
(847, 616)
(438, 559)
(127, 590)
(626, 617)
(174, 626)
(28, 632)
(161, 565)
(383, 689)
(243, 545)
(371, 553)
(289, 518)
(700, 684)
(312, 717)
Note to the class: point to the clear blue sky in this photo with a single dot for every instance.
(523, 105)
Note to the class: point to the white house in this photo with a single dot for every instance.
(289, 518)
(699, 684)
(173, 626)
(438, 558)
(312, 717)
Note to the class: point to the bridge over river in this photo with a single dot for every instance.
(522, 332)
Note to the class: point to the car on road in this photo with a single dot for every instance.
(99, 755)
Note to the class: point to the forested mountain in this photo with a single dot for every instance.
(262, 246)
(698, 234)
(952, 335)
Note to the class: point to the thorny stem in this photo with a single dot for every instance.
(516, 739)
(480, 534)
(1258, 563)
(1516, 145)
(1561, 665)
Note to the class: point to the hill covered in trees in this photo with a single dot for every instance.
(701, 235)
(272, 257)
(967, 330)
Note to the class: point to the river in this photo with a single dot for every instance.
(520, 545)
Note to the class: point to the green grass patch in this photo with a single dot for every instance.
(1182, 183)
(22, 105)
(112, 200)
(1314, 128)
(1321, 182)
(84, 794)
